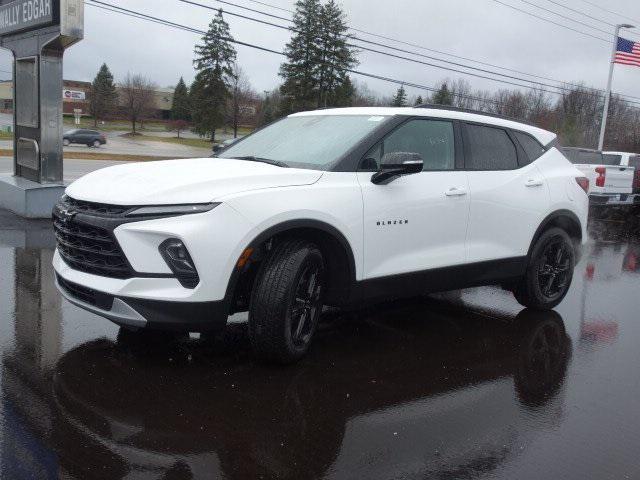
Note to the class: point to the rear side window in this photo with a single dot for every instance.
(530, 145)
(634, 161)
(489, 148)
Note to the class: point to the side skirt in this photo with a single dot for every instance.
(492, 272)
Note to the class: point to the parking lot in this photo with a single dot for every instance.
(460, 385)
(117, 144)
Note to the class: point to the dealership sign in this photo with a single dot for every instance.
(24, 15)
(73, 95)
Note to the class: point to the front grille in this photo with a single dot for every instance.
(85, 246)
(101, 300)
(95, 209)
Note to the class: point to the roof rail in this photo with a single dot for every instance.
(477, 112)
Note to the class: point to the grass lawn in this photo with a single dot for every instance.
(99, 156)
(148, 126)
(6, 135)
(190, 142)
(113, 125)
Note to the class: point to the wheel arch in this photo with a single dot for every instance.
(336, 249)
(564, 219)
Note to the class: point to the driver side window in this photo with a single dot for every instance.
(432, 139)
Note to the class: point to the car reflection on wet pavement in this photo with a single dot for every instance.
(459, 385)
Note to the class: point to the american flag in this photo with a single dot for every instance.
(627, 52)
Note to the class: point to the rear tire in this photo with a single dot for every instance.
(66, 142)
(286, 302)
(549, 273)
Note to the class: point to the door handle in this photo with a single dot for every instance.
(455, 192)
(532, 182)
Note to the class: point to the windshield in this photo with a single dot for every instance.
(314, 142)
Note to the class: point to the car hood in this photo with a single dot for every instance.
(183, 181)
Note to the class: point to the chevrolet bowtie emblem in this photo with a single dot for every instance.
(66, 214)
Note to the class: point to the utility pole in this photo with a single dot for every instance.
(607, 95)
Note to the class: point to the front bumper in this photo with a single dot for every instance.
(617, 199)
(149, 314)
(153, 297)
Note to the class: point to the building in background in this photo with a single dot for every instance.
(77, 95)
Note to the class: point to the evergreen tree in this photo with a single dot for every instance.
(299, 71)
(268, 114)
(400, 98)
(344, 94)
(211, 87)
(419, 100)
(335, 57)
(443, 96)
(104, 97)
(180, 110)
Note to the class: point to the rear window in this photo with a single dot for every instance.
(489, 148)
(586, 157)
(609, 159)
(530, 145)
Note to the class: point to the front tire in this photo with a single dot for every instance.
(96, 143)
(549, 273)
(66, 142)
(286, 302)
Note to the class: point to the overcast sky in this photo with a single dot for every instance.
(483, 30)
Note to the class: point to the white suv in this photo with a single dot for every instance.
(332, 207)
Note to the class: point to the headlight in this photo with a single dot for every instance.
(169, 210)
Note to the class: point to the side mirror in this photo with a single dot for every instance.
(395, 164)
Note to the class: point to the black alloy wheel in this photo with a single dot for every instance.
(553, 272)
(549, 271)
(306, 305)
(286, 301)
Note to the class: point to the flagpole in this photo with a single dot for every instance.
(607, 95)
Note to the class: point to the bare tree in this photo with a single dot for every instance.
(241, 96)
(177, 126)
(136, 95)
(364, 96)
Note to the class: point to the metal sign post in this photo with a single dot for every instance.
(37, 32)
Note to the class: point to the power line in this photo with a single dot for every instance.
(580, 13)
(544, 19)
(142, 16)
(610, 11)
(563, 84)
(566, 17)
(507, 5)
(157, 20)
(400, 57)
(538, 84)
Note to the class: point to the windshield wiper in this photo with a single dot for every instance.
(251, 158)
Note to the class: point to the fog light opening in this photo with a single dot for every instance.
(177, 257)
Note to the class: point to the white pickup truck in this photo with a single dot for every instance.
(628, 159)
(611, 180)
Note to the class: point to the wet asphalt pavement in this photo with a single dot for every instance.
(461, 385)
